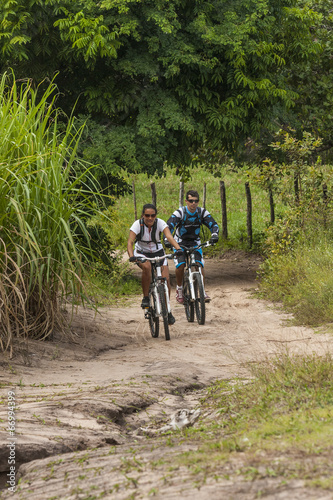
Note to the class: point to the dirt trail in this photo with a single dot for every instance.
(116, 344)
(88, 393)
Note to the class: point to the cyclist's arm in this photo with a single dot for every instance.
(174, 220)
(130, 243)
(211, 223)
(169, 237)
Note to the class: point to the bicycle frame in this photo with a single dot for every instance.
(190, 263)
(159, 300)
(193, 285)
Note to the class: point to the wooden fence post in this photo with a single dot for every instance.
(271, 204)
(153, 193)
(249, 214)
(181, 193)
(134, 200)
(325, 201)
(224, 211)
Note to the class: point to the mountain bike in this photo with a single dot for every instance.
(193, 286)
(159, 301)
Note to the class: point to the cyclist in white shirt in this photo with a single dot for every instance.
(145, 235)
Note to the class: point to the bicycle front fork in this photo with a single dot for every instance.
(191, 278)
(157, 300)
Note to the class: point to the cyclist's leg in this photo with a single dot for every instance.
(165, 274)
(145, 279)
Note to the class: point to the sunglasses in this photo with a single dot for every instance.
(193, 201)
(150, 216)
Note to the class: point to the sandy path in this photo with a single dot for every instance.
(116, 344)
(113, 378)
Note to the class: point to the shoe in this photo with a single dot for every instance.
(145, 303)
(179, 296)
(171, 319)
(207, 297)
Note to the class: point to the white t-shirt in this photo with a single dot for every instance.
(148, 244)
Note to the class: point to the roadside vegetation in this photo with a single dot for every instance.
(47, 195)
(274, 426)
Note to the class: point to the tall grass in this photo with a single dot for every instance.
(42, 205)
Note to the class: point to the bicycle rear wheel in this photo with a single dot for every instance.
(154, 320)
(189, 306)
(164, 310)
(200, 307)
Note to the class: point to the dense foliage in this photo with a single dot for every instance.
(163, 77)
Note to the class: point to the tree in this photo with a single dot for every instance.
(313, 110)
(164, 76)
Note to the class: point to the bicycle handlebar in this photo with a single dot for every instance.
(153, 259)
(202, 245)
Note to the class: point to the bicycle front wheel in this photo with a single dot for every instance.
(200, 307)
(189, 306)
(164, 310)
(154, 320)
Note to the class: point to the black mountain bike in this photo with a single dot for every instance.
(193, 286)
(159, 301)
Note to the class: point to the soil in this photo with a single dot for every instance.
(96, 392)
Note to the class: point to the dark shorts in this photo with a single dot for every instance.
(198, 258)
(159, 253)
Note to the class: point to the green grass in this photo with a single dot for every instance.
(114, 287)
(302, 280)
(284, 412)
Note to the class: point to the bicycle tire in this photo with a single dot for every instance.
(189, 306)
(200, 306)
(164, 311)
(154, 320)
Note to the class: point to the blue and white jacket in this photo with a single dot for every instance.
(185, 225)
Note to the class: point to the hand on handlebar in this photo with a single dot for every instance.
(167, 244)
(133, 259)
(214, 238)
(178, 253)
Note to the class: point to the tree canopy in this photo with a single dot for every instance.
(163, 77)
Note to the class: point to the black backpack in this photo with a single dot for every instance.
(139, 236)
(185, 214)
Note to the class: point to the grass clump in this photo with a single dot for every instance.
(302, 280)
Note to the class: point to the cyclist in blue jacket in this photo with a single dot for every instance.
(185, 224)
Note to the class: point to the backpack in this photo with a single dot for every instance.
(139, 236)
(185, 215)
